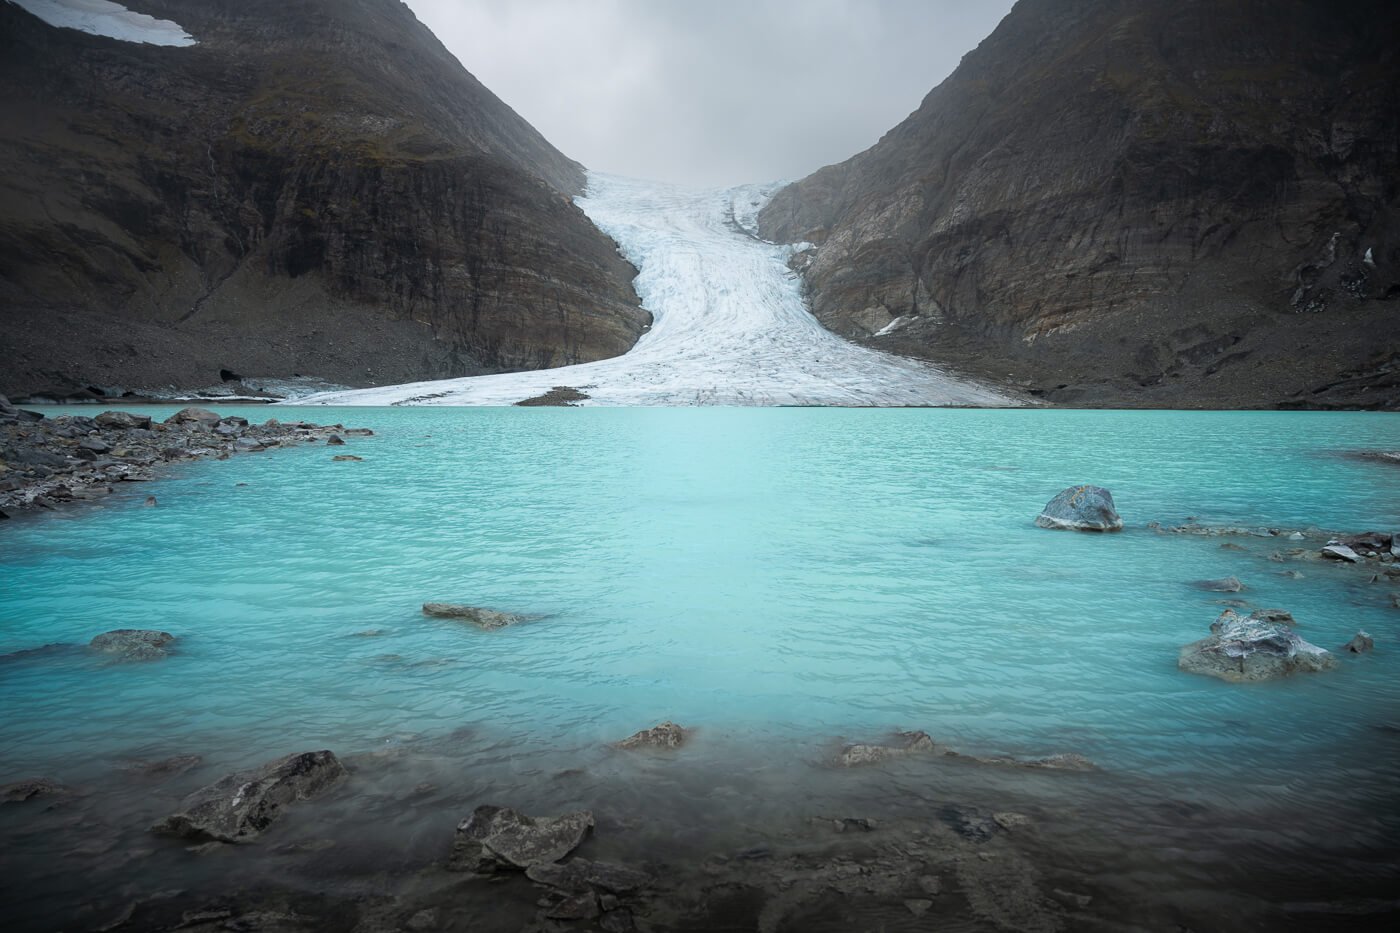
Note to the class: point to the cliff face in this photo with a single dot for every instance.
(1133, 202)
(316, 187)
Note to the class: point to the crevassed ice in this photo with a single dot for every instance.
(730, 326)
(103, 18)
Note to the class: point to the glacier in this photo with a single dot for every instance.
(729, 323)
(104, 18)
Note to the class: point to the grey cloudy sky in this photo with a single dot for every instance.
(711, 92)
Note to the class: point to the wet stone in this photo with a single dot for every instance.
(134, 644)
(1081, 508)
(495, 838)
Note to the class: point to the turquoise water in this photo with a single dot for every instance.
(779, 579)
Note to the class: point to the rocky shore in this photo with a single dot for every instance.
(45, 462)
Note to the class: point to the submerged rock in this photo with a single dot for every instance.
(1251, 649)
(482, 618)
(665, 735)
(241, 806)
(133, 644)
(496, 838)
(1360, 643)
(1223, 585)
(581, 874)
(909, 743)
(343, 458)
(20, 791)
(1081, 508)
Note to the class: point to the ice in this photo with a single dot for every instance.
(730, 326)
(102, 18)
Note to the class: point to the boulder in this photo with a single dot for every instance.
(496, 838)
(1341, 552)
(666, 735)
(248, 444)
(346, 458)
(908, 743)
(1081, 508)
(488, 619)
(581, 874)
(133, 644)
(1242, 649)
(241, 806)
(123, 420)
(335, 440)
(1366, 541)
(202, 417)
(1360, 643)
(1223, 585)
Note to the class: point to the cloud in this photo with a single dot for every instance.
(715, 92)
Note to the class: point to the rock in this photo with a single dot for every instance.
(580, 874)
(496, 838)
(1281, 616)
(202, 417)
(1366, 541)
(150, 502)
(1009, 821)
(335, 440)
(918, 906)
(1291, 574)
(241, 806)
(666, 735)
(248, 444)
(582, 906)
(343, 458)
(134, 644)
(618, 921)
(488, 619)
(1341, 552)
(1081, 508)
(930, 885)
(359, 432)
(1223, 585)
(95, 444)
(20, 791)
(910, 743)
(122, 420)
(1246, 649)
(1360, 643)
(423, 920)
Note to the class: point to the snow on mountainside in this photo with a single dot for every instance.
(102, 18)
(730, 326)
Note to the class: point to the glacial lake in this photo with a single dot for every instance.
(780, 580)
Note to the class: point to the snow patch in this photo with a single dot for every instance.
(729, 324)
(894, 325)
(103, 18)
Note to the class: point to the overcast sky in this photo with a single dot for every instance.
(711, 92)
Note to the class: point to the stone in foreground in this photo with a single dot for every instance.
(1081, 508)
(1244, 649)
(133, 644)
(1341, 552)
(488, 619)
(241, 806)
(497, 838)
(910, 743)
(665, 735)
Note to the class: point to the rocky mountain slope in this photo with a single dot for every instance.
(316, 187)
(1128, 202)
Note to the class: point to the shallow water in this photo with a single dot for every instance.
(779, 579)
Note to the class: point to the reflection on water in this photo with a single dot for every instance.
(778, 579)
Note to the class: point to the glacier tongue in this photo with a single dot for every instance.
(729, 327)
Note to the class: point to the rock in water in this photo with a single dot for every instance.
(1250, 649)
(133, 644)
(482, 618)
(1223, 585)
(665, 735)
(20, 791)
(495, 838)
(1360, 643)
(1341, 552)
(241, 806)
(910, 743)
(1081, 508)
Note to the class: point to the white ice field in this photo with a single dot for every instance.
(101, 18)
(730, 327)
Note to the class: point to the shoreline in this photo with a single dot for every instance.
(47, 462)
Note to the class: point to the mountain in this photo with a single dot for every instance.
(1129, 202)
(315, 187)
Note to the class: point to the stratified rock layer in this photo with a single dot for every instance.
(317, 187)
(1133, 202)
